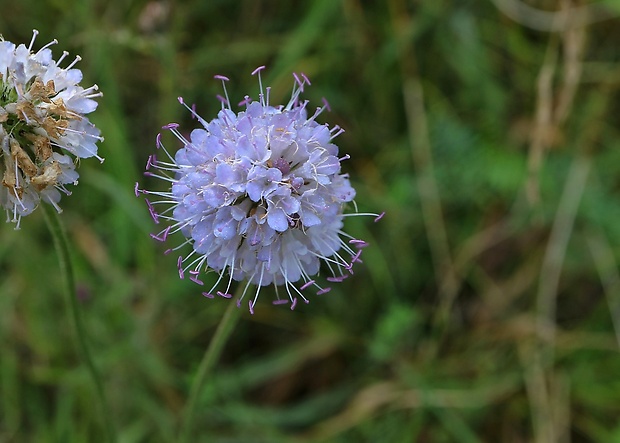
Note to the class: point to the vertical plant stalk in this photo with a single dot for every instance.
(62, 249)
(430, 201)
(556, 248)
(210, 357)
(607, 268)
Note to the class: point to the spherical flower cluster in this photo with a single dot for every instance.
(259, 195)
(42, 120)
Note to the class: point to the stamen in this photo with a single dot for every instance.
(299, 82)
(62, 57)
(52, 43)
(257, 71)
(72, 64)
(192, 110)
(34, 36)
(326, 104)
(162, 235)
(224, 80)
(154, 214)
(180, 267)
(152, 160)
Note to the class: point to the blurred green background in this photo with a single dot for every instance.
(485, 308)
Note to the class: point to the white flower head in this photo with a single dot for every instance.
(260, 196)
(43, 127)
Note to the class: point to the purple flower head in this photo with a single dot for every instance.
(260, 197)
(43, 127)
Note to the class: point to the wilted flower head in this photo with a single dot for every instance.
(259, 195)
(42, 120)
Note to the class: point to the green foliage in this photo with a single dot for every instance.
(441, 335)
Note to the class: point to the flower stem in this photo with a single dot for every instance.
(62, 249)
(211, 355)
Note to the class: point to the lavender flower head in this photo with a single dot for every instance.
(260, 196)
(42, 125)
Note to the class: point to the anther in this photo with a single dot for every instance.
(152, 210)
(299, 82)
(196, 280)
(151, 161)
(306, 285)
(246, 100)
(326, 104)
(180, 267)
(359, 244)
(257, 70)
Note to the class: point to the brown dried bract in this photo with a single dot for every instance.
(8, 179)
(22, 159)
(48, 177)
(40, 92)
(42, 146)
(26, 111)
(54, 128)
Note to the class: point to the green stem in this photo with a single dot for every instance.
(211, 355)
(62, 248)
